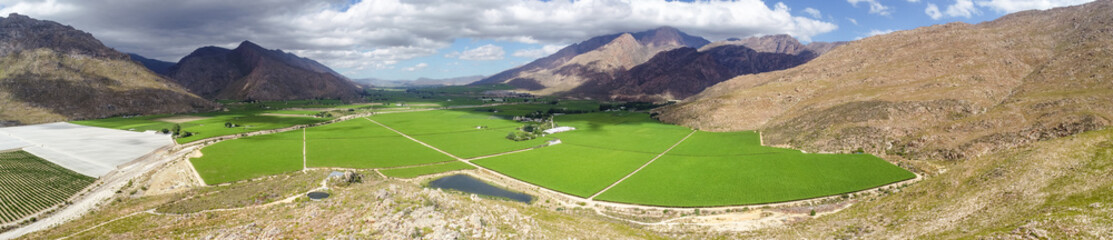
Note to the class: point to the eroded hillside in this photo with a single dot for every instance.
(950, 91)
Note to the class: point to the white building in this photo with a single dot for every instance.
(559, 129)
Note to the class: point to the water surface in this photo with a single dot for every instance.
(465, 183)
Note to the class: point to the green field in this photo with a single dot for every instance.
(707, 169)
(455, 131)
(211, 126)
(572, 169)
(703, 173)
(359, 143)
(29, 184)
(622, 131)
(250, 157)
(412, 172)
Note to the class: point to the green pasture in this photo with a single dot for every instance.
(701, 173)
(572, 169)
(250, 157)
(359, 143)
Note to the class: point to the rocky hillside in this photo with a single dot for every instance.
(952, 91)
(52, 72)
(251, 72)
(683, 72)
(597, 59)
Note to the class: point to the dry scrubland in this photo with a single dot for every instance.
(376, 208)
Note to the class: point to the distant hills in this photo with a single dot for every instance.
(598, 58)
(251, 72)
(655, 65)
(420, 82)
(157, 66)
(53, 72)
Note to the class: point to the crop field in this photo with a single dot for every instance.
(412, 172)
(250, 157)
(456, 132)
(622, 131)
(572, 169)
(212, 126)
(359, 143)
(707, 169)
(701, 174)
(29, 184)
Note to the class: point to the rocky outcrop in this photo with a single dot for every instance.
(251, 72)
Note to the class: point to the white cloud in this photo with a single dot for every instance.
(486, 53)
(933, 11)
(875, 6)
(854, 21)
(48, 7)
(538, 52)
(913, 1)
(876, 32)
(813, 12)
(962, 8)
(1011, 6)
(419, 66)
(380, 33)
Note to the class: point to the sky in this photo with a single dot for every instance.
(408, 39)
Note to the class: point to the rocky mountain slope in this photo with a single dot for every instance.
(599, 58)
(1011, 117)
(155, 65)
(53, 72)
(251, 72)
(683, 72)
(949, 91)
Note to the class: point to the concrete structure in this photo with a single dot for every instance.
(87, 150)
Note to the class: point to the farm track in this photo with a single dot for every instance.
(643, 166)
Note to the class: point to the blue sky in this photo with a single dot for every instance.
(407, 39)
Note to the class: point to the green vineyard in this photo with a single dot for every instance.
(29, 184)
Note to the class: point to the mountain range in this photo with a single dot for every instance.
(1005, 116)
(251, 72)
(52, 72)
(656, 65)
(420, 82)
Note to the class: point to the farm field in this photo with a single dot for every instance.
(29, 184)
(572, 169)
(412, 172)
(707, 169)
(211, 126)
(359, 143)
(455, 131)
(702, 174)
(622, 131)
(250, 157)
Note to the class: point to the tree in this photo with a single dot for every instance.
(229, 125)
(176, 129)
(812, 213)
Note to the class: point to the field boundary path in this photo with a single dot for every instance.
(419, 141)
(304, 165)
(643, 166)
